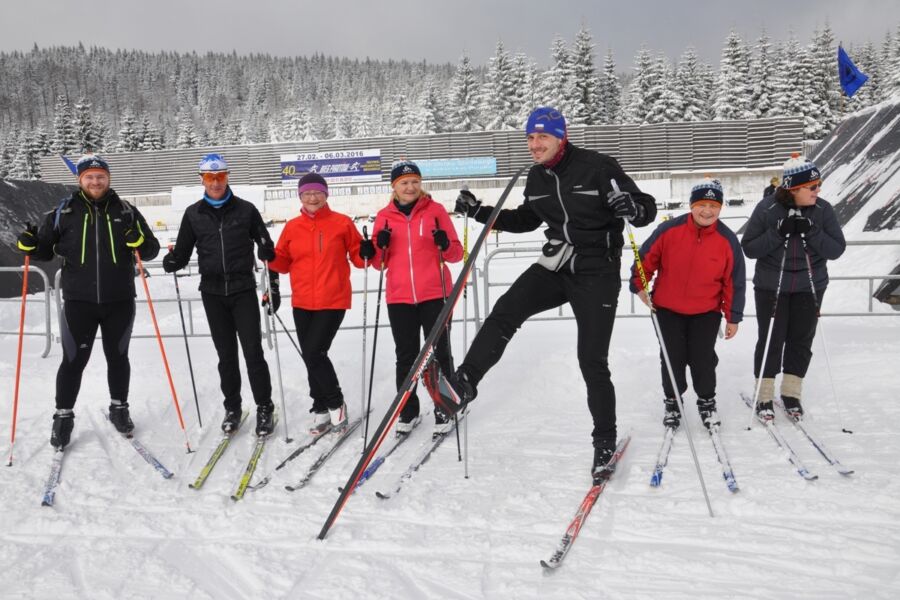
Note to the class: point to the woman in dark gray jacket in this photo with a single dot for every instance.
(791, 234)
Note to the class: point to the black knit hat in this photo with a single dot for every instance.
(312, 182)
(405, 168)
(91, 161)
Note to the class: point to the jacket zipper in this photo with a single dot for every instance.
(97, 250)
(112, 247)
(565, 225)
(84, 236)
(222, 242)
(412, 278)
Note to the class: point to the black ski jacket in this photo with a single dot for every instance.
(761, 240)
(89, 237)
(571, 199)
(224, 239)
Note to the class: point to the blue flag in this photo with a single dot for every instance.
(68, 164)
(851, 78)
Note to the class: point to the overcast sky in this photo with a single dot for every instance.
(432, 31)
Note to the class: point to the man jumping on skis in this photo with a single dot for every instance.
(569, 190)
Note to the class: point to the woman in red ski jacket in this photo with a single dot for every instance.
(699, 268)
(414, 236)
(316, 248)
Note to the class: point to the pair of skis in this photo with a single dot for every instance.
(792, 457)
(55, 476)
(662, 458)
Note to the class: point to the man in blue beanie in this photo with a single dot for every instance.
(569, 191)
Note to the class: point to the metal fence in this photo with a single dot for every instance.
(659, 147)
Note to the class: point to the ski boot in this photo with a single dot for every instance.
(265, 419)
(456, 391)
(338, 417)
(603, 453)
(231, 422)
(443, 424)
(792, 408)
(672, 418)
(321, 422)
(405, 427)
(63, 421)
(765, 411)
(707, 409)
(119, 417)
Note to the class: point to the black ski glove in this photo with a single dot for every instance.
(366, 250)
(274, 296)
(134, 238)
(383, 239)
(440, 239)
(28, 240)
(623, 205)
(794, 224)
(467, 203)
(266, 252)
(169, 263)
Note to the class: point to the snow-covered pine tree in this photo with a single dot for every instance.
(667, 105)
(732, 88)
(186, 136)
(129, 137)
(642, 88)
(499, 92)
(762, 76)
(63, 141)
(150, 138)
(431, 110)
(584, 102)
(462, 113)
(866, 58)
(87, 135)
(401, 117)
(26, 163)
(692, 86)
(826, 88)
(527, 94)
(609, 93)
(556, 87)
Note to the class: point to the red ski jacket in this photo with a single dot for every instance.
(315, 251)
(412, 259)
(698, 269)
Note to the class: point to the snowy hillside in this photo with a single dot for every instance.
(120, 530)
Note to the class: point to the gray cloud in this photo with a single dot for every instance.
(432, 31)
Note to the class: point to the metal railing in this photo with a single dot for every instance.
(47, 333)
(534, 252)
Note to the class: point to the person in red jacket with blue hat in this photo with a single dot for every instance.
(415, 238)
(316, 248)
(699, 268)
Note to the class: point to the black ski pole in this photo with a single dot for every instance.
(365, 309)
(290, 337)
(374, 344)
(187, 349)
(437, 225)
(812, 288)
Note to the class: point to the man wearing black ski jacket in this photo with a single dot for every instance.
(570, 191)
(96, 234)
(223, 228)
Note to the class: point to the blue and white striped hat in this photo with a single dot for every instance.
(799, 171)
(708, 189)
(212, 163)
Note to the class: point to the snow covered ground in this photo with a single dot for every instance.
(119, 530)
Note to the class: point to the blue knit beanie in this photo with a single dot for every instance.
(545, 119)
(708, 189)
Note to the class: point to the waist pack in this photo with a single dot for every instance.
(554, 254)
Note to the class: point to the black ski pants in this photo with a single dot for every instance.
(80, 321)
(315, 331)
(406, 322)
(593, 296)
(233, 318)
(796, 318)
(691, 342)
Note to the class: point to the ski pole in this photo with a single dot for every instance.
(465, 334)
(766, 348)
(15, 414)
(287, 332)
(374, 344)
(162, 350)
(187, 349)
(270, 311)
(812, 288)
(662, 345)
(437, 225)
(365, 307)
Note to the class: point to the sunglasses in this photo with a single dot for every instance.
(813, 187)
(219, 177)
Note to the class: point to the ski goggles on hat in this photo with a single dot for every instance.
(217, 177)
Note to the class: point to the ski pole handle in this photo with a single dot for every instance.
(634, 248)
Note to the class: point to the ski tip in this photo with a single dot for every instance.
(548, 566)
(168, 475)
(655, 480)
(290, 488)
(382, 495)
